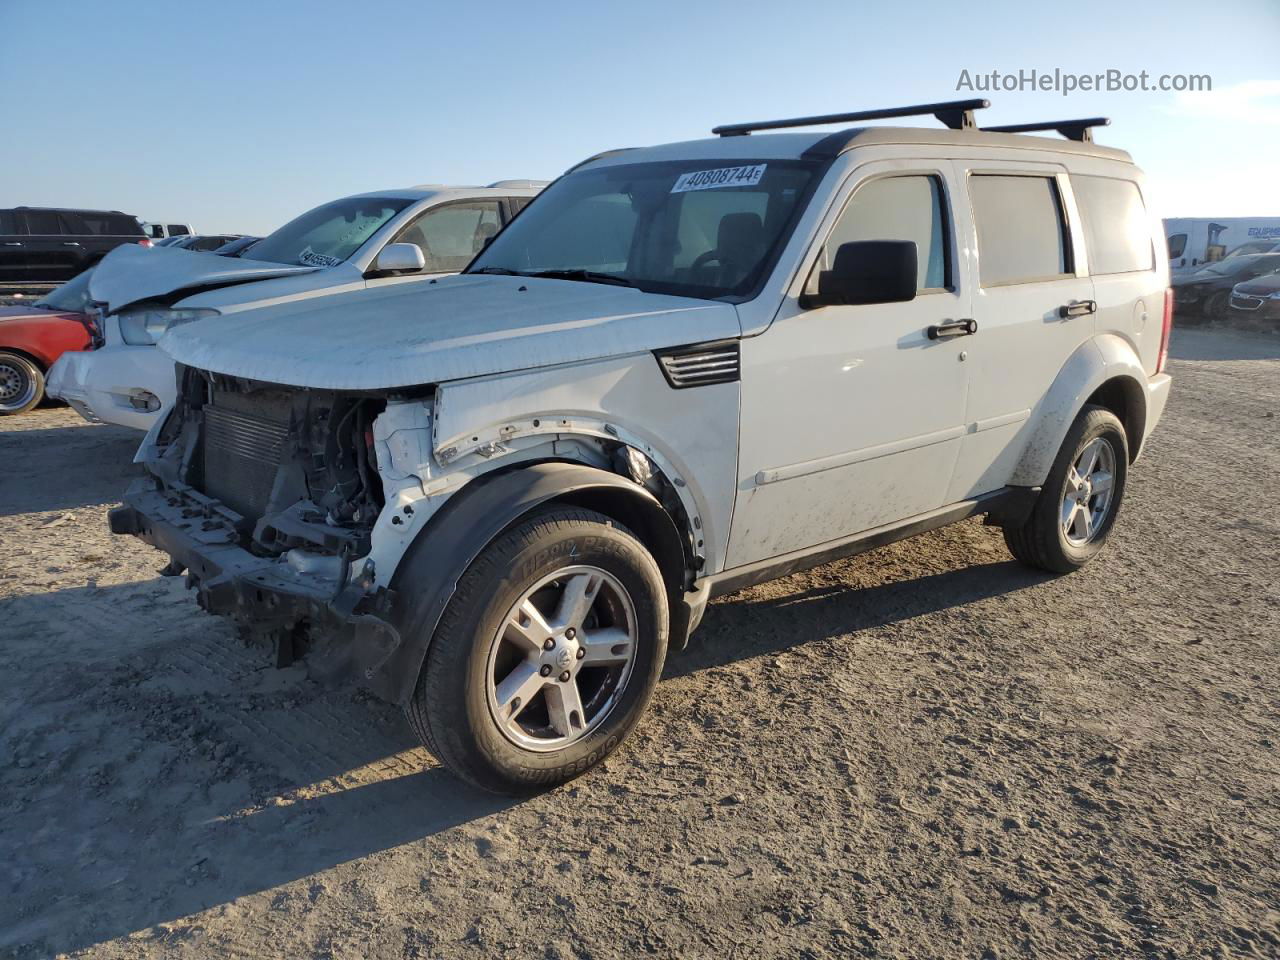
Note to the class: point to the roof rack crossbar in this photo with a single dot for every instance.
(1071, 129)
(956, 114)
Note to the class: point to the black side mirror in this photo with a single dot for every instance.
(867, 271)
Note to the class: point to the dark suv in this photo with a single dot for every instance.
(48, 245)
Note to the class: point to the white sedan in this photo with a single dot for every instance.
(365, 241)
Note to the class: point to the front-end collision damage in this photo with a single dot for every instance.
(292, 511)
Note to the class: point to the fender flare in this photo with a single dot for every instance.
(1095, 363)
(427, 577)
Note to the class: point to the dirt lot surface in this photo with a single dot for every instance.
(926, 751)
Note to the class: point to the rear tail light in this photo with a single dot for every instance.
(145, 242)
(1166, 325)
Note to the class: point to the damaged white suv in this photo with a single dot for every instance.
(501, 497)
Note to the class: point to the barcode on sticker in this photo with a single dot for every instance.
(747, 176)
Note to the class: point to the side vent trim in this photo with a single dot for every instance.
(701, 364)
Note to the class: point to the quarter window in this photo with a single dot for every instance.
(1116, 227)
(898, 208)
(451, 236)
(1021, 229)
(1177, 245)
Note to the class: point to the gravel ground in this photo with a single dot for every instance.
(925, 751)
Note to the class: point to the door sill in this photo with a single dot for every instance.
(1007, 501)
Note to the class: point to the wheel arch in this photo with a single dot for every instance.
(425, 580)
(41, 363)
(1105, 370)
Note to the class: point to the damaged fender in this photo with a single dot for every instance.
(427, 577)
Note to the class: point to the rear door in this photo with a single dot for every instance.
(1020, 222)
(50, 250)
(12, 263)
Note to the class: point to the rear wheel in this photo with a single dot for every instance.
(546, 656)
(1081, 498)
(21, 383)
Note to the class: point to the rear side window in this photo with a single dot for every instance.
(43, 223)
(7, 224)
(898, 208)
(1177, 245)
(1116, 226)
(1021, 230)
(178, 230)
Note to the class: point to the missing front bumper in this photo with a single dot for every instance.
(341, 626)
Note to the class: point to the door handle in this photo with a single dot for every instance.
(12, 244)
(1081, 308)
(952, 328)
(70, 243)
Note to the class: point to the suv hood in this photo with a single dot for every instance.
(131, 273)
(1262, 286)
(455, 327)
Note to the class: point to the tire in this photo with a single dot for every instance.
(486, 648)
(1215, 306)
(1045, 540)
(21, 383)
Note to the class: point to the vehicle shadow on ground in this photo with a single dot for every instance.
(743, 625)
(79, 466)
(316, 777)
(183, 771)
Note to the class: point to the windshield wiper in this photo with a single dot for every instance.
(585, 276)
(498, 271)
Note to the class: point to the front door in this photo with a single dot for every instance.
(852, 415)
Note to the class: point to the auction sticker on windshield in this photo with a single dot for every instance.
(747, 176)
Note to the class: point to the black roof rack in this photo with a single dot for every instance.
(1071, 129)
(956, 114)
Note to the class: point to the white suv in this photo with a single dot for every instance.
(501, 497)
(367, 241)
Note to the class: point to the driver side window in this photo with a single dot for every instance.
(898, 208)
(451, 235)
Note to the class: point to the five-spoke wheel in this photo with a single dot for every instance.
(561, 657)
(547, 654)
(1080, 498)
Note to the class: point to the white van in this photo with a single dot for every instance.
(499, 497)
(1193, 242)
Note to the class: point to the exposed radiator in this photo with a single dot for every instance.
(241, 454)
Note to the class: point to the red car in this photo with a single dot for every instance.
(33, 336)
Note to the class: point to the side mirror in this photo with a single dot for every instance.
(399, 257)
(867, 271)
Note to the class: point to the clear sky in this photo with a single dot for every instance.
(236, 116)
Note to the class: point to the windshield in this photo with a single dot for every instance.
(708, 228)
(328, 235)
(1253, 246)
(1231, 265)
(72, 295)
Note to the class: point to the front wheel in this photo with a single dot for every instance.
(1081, 497)
(1215, 306)
(547, 655)
(21, 383)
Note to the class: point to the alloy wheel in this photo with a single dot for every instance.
(561, 658)
(1086, 502)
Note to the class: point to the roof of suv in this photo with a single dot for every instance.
(66, 210)
(818, 145)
